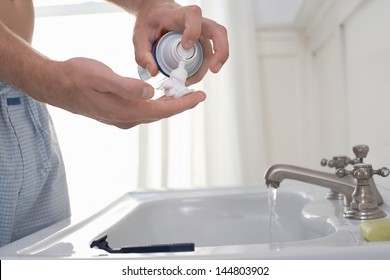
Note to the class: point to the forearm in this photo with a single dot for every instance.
(135, 6)
(22, 67)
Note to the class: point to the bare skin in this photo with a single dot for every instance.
(90, 88)
(18, 16)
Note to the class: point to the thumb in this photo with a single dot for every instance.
(129, 88)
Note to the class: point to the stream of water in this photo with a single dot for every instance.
(277, 230)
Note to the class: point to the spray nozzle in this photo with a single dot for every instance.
(183, 53)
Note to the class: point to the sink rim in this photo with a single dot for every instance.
(78, 234)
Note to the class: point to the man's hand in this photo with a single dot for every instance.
(159, 17)
(92, 89)
(84, 86)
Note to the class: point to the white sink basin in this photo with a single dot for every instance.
(232, 223)
(214, 218)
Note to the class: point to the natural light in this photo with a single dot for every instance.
(101, 161)
(218, 143)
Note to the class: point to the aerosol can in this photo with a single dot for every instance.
(168, 52)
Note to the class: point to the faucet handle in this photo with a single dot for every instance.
(362, 171)
(360, 152)
(337, 162)
(365, 198)
(384, 172)
(341, 172)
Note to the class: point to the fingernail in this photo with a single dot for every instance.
(218, 66)
(148, 68)
(147, 92)
(190, 43)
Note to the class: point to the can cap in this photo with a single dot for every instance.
(168, 51)
(183, 53)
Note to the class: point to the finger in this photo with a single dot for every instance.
(129, 113)
(143, 42)
(192, 18)
(165, 108)
(127, 88)
(218, 34)
(207, 54)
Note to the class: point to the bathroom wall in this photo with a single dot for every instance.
(323, 81)
(326, 82)
(282, 59)
(367, 41)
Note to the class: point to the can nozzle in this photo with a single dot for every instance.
(183, 53)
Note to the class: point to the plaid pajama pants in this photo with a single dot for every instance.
(33, 190)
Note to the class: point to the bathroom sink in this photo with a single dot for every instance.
(215, 218)
(222, 223)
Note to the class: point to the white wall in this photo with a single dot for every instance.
(282, 68)
(323, 81)
(367, 42)
(327, 88)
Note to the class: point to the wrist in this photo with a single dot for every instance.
(45, 81)
(41, 79)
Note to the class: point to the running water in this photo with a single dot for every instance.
(277, 230)
(272, 192)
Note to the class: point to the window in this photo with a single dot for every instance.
(101, 161)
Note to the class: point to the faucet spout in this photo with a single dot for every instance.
(279, 172)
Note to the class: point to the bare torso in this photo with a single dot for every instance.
(18, 16)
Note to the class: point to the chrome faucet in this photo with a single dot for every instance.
(279, 172)
(337, 162)
(361, 197)
(364, 204)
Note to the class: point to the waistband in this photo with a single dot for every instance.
(6, 88)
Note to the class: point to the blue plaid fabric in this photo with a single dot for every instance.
(33, 190)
